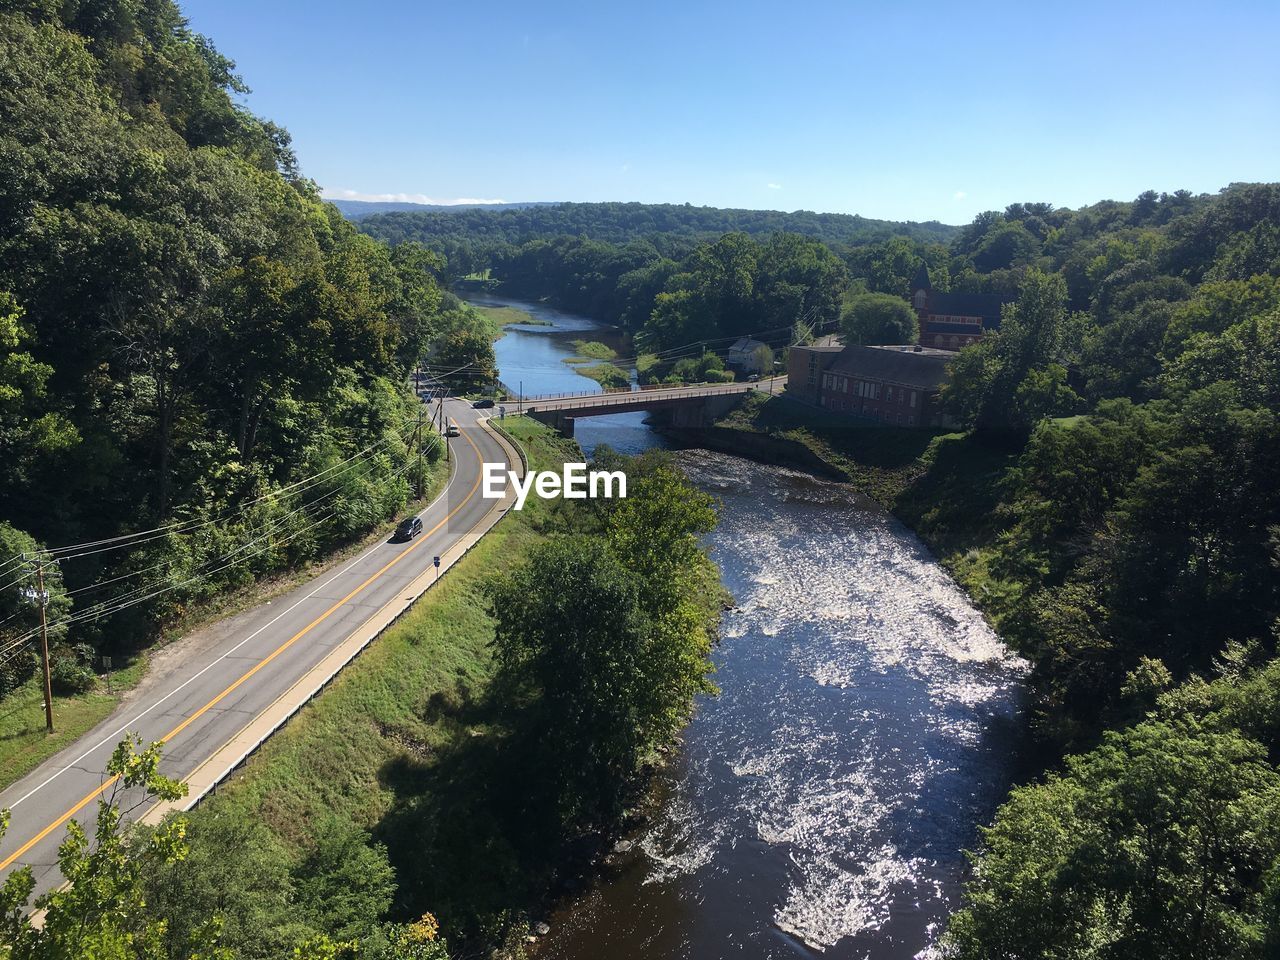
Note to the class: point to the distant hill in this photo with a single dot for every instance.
(676, 224)
(359, 209)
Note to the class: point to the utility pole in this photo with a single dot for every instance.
(44, 645)
(444, 427)
(417, 441)
(522, 396)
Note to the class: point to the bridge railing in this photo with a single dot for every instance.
(621, 395)
(593, 400)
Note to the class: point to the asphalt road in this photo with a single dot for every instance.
(216, 690)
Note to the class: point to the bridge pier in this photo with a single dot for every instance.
(702, 412)
(561, 423)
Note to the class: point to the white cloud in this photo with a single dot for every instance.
(959, 195)
(774, 186)
(401, 198)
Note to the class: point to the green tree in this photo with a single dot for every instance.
(466, 355)
(762, 360)
(19, 612)
(1162, 842)
(874, 318)
(31, 434)
(571, 632)
(1036, 333)
(235, 868)
(344, 882)
(604, 639)
(103, 912)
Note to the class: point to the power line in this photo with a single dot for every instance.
(114, 605)
(144, 536)
(273, 521)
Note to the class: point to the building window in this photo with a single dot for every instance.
(913, 398)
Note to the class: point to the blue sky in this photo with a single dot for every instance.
(895, 110)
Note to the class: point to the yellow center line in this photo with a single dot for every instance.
(253, 670)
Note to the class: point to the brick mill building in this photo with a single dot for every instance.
(894, 385)
(950, 321)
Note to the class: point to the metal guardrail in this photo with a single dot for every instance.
(515, 444)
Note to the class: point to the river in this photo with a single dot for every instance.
(865, 727)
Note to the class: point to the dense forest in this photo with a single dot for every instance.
(202, 366)
(680, 289)
(356, 209)
(1135, 384)
(470, 238)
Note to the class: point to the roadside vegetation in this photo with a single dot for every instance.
(86, 689)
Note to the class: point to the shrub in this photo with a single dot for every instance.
(70, 670)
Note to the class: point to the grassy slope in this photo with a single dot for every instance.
(943, 485)
(399, 742)
(24, 745)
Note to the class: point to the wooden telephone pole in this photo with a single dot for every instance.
(42, 597)
(417, 440)
(444, 431)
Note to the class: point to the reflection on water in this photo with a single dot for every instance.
(863, 730)
(821, 803)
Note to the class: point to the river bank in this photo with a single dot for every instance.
(943, 486)
(408, 743)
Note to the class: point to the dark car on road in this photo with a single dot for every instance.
(483, 404)
(409, 528)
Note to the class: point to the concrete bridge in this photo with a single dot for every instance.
(689, 406)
